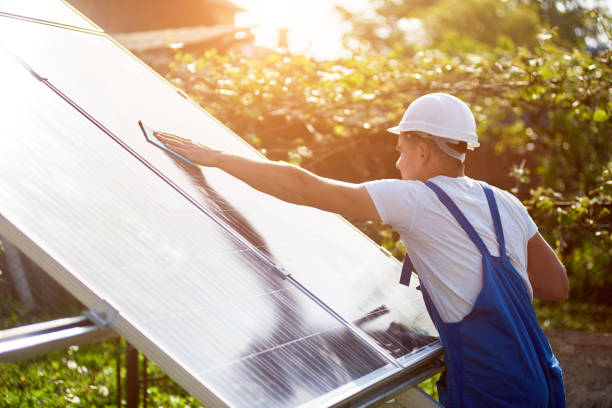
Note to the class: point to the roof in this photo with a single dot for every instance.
(147, 40)
(120, 16)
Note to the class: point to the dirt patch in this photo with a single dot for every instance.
(586, 359)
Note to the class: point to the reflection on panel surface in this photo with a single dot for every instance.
(55, 11)
(319, 249)
(125, 236)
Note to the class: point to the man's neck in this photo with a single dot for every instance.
(448, 171)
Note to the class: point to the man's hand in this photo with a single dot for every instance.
(196, 152)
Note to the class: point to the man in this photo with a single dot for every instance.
(478, 253)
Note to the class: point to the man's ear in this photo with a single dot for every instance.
(424, 150)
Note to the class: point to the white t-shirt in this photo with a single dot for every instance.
(444, 256)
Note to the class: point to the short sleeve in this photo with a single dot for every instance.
(528, 223)
(395, 202)
(532, 228)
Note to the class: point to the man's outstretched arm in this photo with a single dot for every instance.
(282, 180)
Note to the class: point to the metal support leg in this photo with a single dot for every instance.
(17, 272)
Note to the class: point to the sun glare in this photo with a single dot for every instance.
(313, 27)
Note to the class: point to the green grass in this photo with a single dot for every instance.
(429, 386)
(82, 376)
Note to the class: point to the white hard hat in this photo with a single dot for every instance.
(441, 115)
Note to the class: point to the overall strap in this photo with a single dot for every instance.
(456, 212)
(406, 271)
(496, 219)
(407, 265)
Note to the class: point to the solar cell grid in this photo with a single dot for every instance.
(209, 311)
(320, 250)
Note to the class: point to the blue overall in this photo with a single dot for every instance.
(497, 355)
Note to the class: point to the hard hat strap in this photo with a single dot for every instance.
(448, 150)
(441, 143)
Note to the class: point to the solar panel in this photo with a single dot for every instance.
(319, 249)
(183, 252)
(53, 11)
(186, 291)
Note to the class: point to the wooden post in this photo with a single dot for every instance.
(131, 381)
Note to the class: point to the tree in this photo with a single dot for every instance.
(482, 21)
(574, 21)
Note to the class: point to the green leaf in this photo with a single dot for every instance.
(546, 72)
(600, 115)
